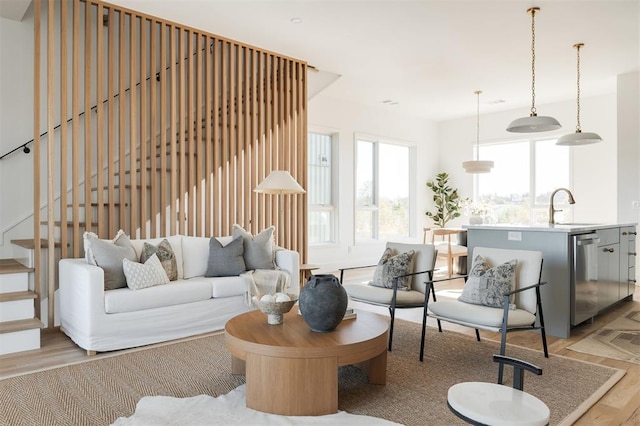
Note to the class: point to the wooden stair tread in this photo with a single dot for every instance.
(57, 223)
(96, 204)
(17, 295)
(12, 266)
(20, 325)
(30, 244)
(127, 186)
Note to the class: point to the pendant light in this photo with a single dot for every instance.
(477, 166)
(579, 138)
(533, 123)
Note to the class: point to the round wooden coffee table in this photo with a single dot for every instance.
(292, 370)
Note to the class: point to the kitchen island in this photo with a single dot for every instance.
(607, 272)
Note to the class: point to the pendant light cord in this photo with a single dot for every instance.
(533, 11)
(477, 92)
(578, 127)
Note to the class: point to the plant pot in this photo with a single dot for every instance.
(475, 219)
(323, 302)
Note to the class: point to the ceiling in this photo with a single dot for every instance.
(426, 58)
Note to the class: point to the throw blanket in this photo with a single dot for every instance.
(265, 281)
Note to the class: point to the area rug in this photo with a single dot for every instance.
(100, 391)
(228, 409)
(619, 339)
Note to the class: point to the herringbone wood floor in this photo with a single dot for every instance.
(620, 406)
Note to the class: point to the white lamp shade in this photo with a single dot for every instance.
(477, 166)
(279, 182)
(579, 138)
(533, 124)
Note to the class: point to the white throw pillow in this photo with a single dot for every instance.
(143, 275)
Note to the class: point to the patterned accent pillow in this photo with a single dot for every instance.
(258, 249)
(166, 256)
(143, 275)
(225, 261)
(109, 255)
(392, 265)
(486, 285)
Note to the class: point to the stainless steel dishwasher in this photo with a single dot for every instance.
(584, 278)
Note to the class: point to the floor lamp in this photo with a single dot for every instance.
(279, 182)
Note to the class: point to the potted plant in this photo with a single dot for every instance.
(446, 200)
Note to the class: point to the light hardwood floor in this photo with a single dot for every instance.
(619, 406)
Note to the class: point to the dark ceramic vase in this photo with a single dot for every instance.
(323, 302)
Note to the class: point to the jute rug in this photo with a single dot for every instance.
(619, 339)
(99, 391)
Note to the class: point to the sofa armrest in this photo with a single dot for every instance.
(81, 295)
(289, 260)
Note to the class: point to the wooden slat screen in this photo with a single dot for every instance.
(171, 129)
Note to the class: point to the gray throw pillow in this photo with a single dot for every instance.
(258, 249)
(225, 261)
(390, 266)
(166, 256)
(109, 256)
(486, 285)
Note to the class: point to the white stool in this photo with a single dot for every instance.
(481, 403)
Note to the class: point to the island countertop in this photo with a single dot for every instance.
(569, 228)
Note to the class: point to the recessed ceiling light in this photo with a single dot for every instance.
(296, 20)
(495, 102)
(390, 102)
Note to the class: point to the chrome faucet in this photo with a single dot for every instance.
(552, 210)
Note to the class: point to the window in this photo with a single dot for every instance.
(320, 191)
(382, 190)
(521, 169)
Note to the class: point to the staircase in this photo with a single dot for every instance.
(19, 327)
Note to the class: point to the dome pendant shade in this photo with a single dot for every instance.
(477, 166)
(533, 123)
(579, 138)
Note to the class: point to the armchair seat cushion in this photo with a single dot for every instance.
(479, 316)
(382, 296)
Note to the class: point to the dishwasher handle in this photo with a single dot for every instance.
(588, 241)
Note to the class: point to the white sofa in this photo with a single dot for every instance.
(99, 320)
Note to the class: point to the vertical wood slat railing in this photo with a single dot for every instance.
(180, 154)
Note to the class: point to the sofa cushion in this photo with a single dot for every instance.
(143, 275)
(225, 261)
(175, 293)
(109, 255)
(176, 246)
(258, 249)
(195, 255)
(226, 286)
(165, 255)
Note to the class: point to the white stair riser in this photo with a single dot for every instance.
(12, 283)
(16, 310)
(18, 341)
(23, 255)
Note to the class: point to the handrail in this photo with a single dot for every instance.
(26, 149)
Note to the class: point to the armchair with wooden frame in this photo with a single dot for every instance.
(391, 298)
(525, 315)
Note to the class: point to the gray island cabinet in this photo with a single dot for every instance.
(587, 268)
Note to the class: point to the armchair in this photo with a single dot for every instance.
(521, 307)
(392, 298)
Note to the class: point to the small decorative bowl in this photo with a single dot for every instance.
(275, 310)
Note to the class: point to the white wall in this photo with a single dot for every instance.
(628, 146)
(594, 181)
(347, 120)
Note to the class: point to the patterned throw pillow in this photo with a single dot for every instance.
(258, 249)
(165, 254)
(486, 285)
(143, 275)
(392, 265)
(225, 261)
(109, 255)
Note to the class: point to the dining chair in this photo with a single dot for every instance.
(441, 239)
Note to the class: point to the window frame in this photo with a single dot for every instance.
(332, 208)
